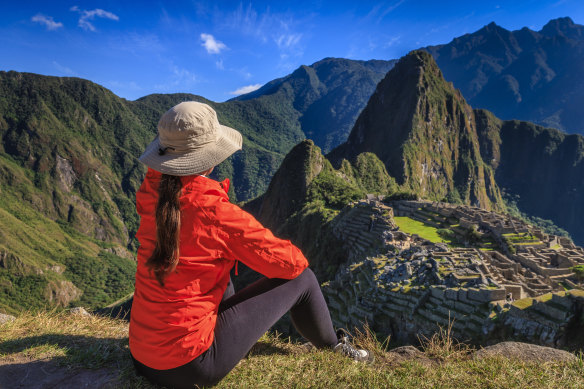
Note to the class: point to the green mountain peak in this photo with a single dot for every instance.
(425, 134)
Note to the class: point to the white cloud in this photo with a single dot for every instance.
(394, 40)
(219, 64)
(86, 16)
(378, 12)
(178, 79)
(64, 69)
(211, 45)
(47, 21)
(286, 41)
(246, 89)
(283, 29)
(182, 75)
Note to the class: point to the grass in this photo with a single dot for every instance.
(96, 343)
(528, 301)
(411, 226)
(522, 239)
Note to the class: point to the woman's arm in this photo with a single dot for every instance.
(245, 239)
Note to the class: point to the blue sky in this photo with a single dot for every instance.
(218, 49)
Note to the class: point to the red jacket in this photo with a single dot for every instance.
(172, 325)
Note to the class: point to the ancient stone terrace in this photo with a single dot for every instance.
(393, 277)
(362, 225)
(360, 294)
(531, 269)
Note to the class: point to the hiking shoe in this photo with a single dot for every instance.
(345, 347)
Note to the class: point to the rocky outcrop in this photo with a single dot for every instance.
(61, 293)
(15, 265)
(120, 252)
(4, 318)
(524, 352)
(67, 176)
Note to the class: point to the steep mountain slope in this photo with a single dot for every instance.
(306, 194)
(424, 132)
(67, 172)
(328, 95)
(542, 167)
(522, 74)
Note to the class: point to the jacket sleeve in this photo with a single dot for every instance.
(245, 239)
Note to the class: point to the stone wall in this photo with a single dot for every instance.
(360, 295)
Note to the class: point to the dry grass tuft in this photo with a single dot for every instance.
(368, 340)
(442, 346)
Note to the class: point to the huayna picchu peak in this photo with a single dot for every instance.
(426, 135)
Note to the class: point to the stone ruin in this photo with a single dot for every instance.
(403, 285)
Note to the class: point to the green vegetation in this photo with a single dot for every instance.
(510, 246)
(330, 189)
(371, 175)
(402, 195)
(446, 234)
(528, 301)
(103, 279)
(307, 193)
(67, 343)
(35, 245)
(579, 272)
(547, 226)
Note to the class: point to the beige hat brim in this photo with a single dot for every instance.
(229, 141)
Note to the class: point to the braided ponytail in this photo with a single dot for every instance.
(164, 258)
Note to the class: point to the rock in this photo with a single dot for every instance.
(67, 176)
(16, 266)
(79, 311)
(408, 352)
(525, 352)
(120, 252)
(56, 268)
(4, 318)
(62, 292)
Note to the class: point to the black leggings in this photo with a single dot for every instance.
(243, 318)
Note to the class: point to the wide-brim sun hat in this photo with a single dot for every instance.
(190, 140)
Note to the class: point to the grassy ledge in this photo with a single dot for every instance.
(95, 347)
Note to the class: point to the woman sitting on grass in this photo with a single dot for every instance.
(187, 325)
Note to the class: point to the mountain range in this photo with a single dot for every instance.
(523, 74)
(328, 95)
